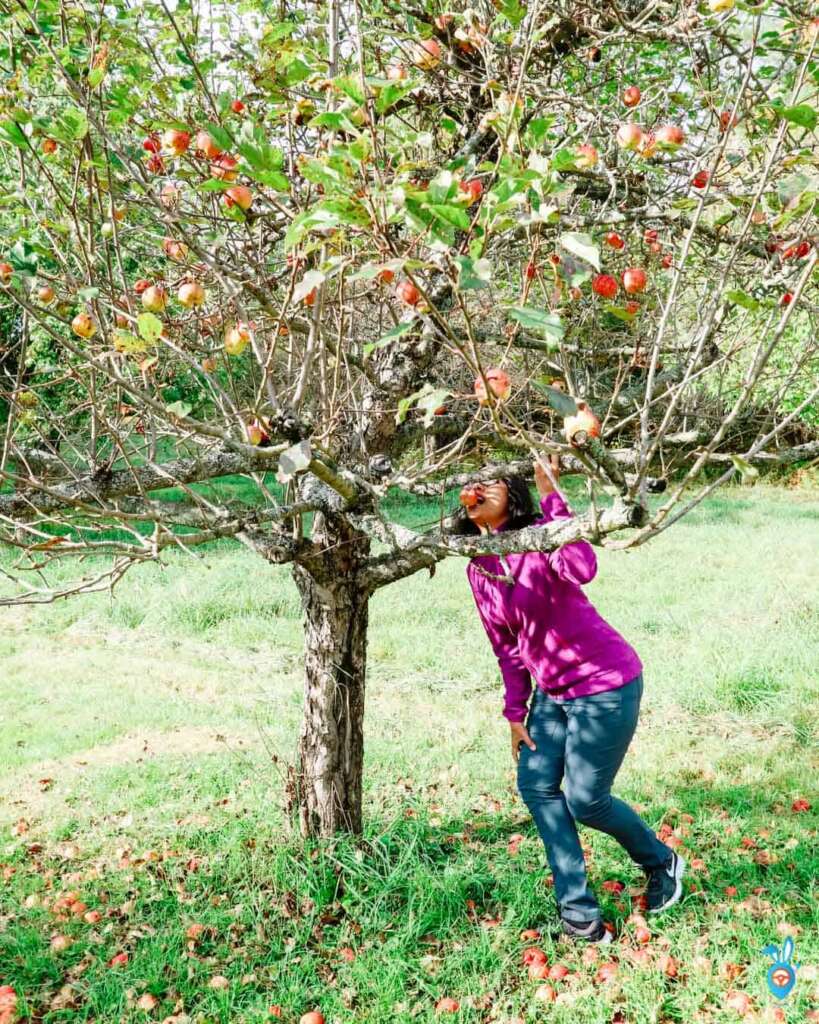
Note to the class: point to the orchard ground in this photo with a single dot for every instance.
(143, 741)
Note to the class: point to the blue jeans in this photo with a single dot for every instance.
(581, 743)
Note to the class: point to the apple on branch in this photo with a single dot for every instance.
(499, 384)
(237, 339)
(83, 326)
(581, 425)
(629, 136)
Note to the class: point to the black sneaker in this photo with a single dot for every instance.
(665, 885)
(587, 931)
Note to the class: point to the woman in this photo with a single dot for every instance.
(587, 698)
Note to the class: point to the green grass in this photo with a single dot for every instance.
(143, 740)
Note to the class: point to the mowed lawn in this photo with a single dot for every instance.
(145, 868)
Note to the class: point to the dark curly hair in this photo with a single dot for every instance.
(521, 507)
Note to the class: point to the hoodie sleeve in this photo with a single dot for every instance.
(516, 679)
(575, 562)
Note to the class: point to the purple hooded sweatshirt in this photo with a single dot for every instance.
(544, 625)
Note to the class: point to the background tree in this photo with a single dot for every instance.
(372, 246)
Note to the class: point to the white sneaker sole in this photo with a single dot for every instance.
(679, 871)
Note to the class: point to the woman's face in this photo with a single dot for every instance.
(487, 504)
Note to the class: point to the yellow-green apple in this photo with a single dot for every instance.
(191, 294)
(83, 326)
(155, 298)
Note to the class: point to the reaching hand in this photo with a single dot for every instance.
(520, 735)
(544, 484)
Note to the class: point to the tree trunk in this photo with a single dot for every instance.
(331, 744)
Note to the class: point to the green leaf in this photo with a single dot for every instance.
(390, 95)
(802, 114)
(454, 215)
(222, 139)
(274, 179)
(180, 409)
(536, 320)
(473, 274)
(748, 471)
(13, 134)
(214, 185)
(429, 402)
(149, 327)
(395, 332)
(741, 298)
(582, 246)
(87, 294)
(95, 76)
(562, 403)
(620, 312)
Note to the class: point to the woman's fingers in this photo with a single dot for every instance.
(520, 735)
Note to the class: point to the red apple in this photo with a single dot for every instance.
(581, 425)
(48, 147)
(632, 307)
(499, 384)
(629, 136)
(313, 1017)
(727, 120)
(239, 195)
(670, 136)
(557, 972)
(224, 167)
(586, 156)
(634, 280)
(615, 241)
(310, 297)
(206, 146)
(237, 107)
(529, 935)
(531, 271)
(396, 72)
(613, 885)
(605, 285)
(667, 260)
(700, 179)
(447, 1005)
(275, 1011)
(155, 298)
(538, 971)
(45, 293)
(141, 285)
(174, 250)
(668, 965)
(175, 142)
(606, 972)
(385, 276)
(191, 294)
(650, 235)
(155, 165)
(739, 1002)
(169, 195)
(800, 806)
(631, 96)
(533, 955)
(642, 935)
(545, 994)
(6, 271)
(408, 293)
(83, 326)
(426, 54)
(152, 144)
(473, 188)
(786, 299)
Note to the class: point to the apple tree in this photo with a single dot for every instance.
(346, 247)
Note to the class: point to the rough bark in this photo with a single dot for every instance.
(328, 778)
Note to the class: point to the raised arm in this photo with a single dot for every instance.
(575, 562)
